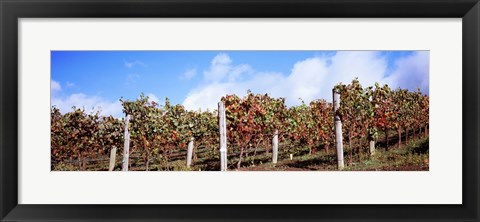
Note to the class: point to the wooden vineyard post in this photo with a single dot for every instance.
(223, 136)
(371, 138)
(275, 147)
(126, 145)
(372, 147)
(113, 154)
(189, 153)
(338, 129)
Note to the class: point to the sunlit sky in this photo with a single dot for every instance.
(96, 80)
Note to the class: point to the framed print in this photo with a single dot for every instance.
(227, 110)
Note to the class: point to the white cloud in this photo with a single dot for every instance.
(89, 103)
(189, 74)
(305, 80)
(237, 72)
(368, 66)
(411, 72)
(312, 78)
(54, 86)
(207, 97)
(132, 79)
(70, 84)
(153, 97)
(134, 63)
(221, 69)
(80, 100)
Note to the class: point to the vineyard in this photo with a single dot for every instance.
(370, 128)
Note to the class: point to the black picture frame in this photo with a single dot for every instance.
(11, 11)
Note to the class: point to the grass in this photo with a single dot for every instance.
(413, 156)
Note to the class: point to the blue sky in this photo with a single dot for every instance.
(96, 80)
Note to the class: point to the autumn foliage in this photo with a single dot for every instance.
(158, 131)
